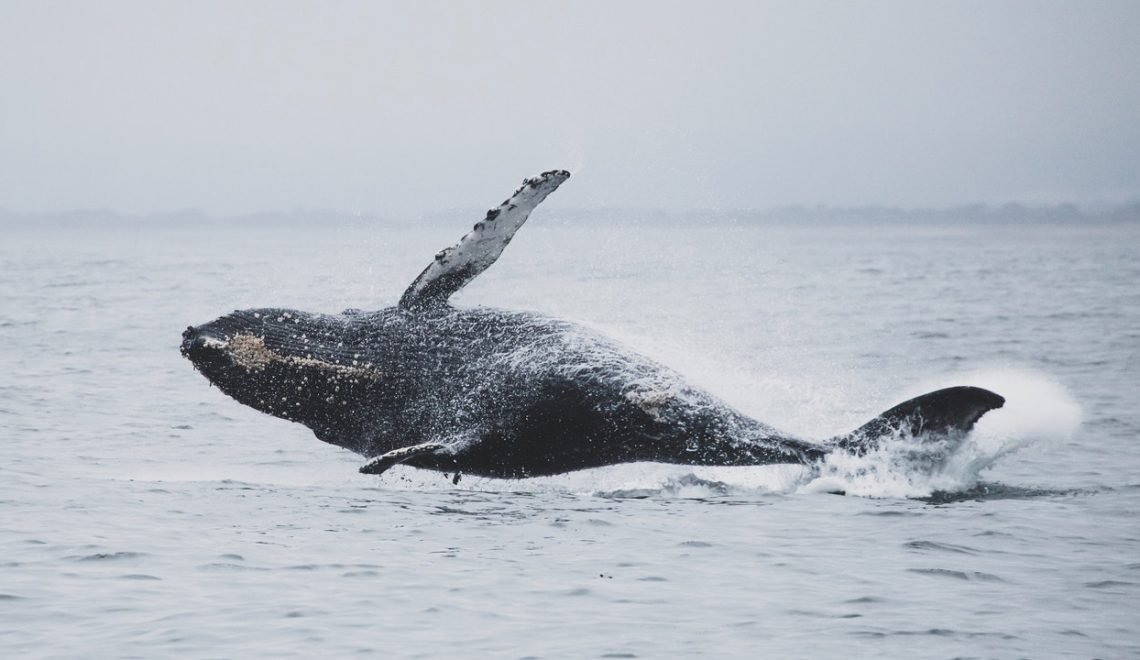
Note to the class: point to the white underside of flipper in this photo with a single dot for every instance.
(457, 265)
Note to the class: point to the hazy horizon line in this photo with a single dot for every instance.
(971, 212)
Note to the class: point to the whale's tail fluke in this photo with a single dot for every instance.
(947, 413)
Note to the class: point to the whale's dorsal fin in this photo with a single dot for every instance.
(474, 253)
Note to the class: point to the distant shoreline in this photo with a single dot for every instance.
(975, 214)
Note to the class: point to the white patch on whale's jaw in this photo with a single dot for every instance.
(249, 352)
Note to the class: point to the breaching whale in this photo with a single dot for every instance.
(507, 394)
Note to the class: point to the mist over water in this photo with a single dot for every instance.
(146, 514)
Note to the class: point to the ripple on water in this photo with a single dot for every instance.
(993, 491)
(815, 614)
(226, 566)
(947, 632)
(1109, 584)
(957, 575)
(111, 556)
(940, 547)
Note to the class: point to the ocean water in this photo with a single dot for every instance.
(144, 514)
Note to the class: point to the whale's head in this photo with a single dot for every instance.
(308, 368)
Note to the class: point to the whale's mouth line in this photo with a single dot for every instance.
(249, 351)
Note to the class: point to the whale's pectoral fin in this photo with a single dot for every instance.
(384, 461)
(474, 253)
(952, 411)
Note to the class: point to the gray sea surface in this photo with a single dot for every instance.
(144, 514)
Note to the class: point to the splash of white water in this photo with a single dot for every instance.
(1037, 409)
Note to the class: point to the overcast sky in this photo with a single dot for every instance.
(407, 107)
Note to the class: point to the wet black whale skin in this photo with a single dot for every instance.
(513, 394)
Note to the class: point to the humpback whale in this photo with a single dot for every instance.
(507, 394)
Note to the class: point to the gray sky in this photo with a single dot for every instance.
(401, 108)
